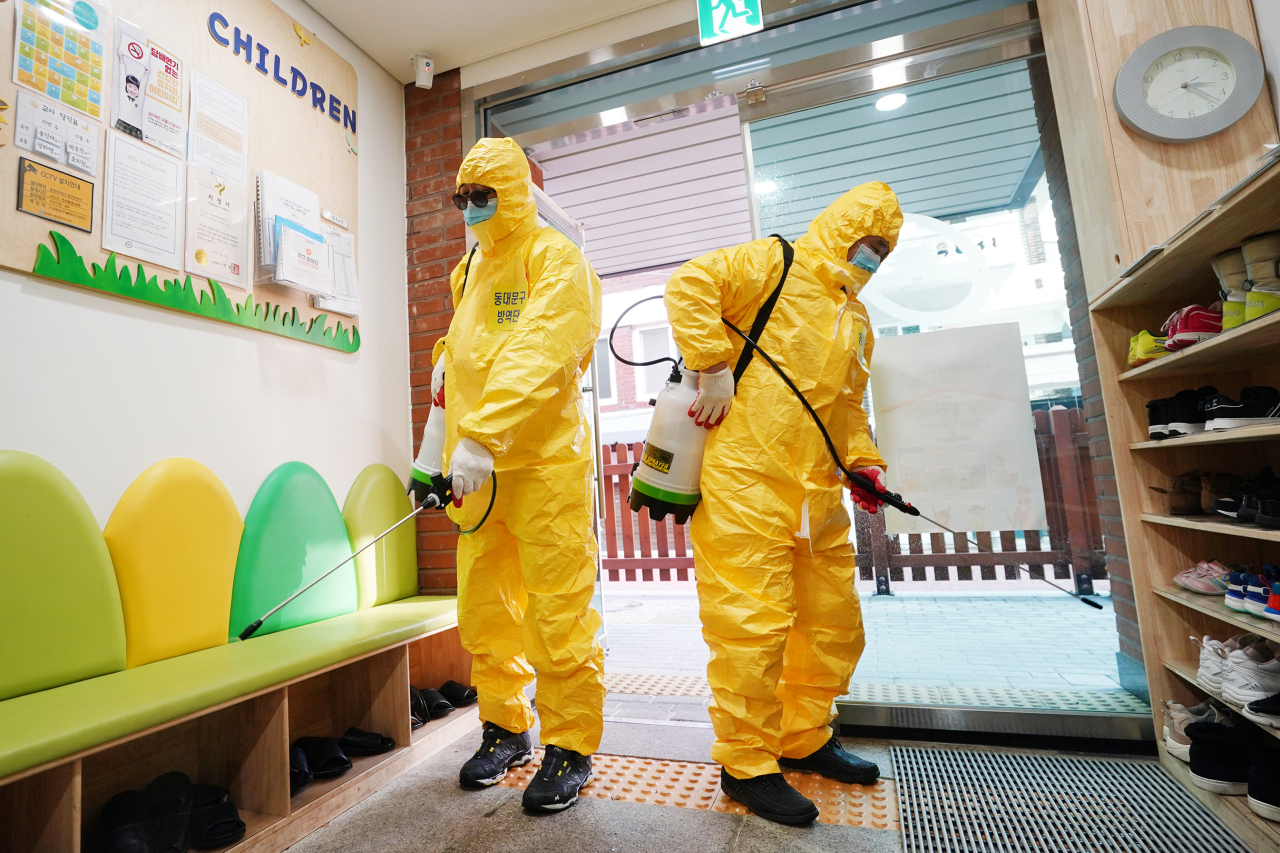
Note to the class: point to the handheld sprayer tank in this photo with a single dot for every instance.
(427, 467)
(666, 478)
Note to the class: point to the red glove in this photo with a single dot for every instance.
(866, 500)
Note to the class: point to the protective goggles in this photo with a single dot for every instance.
(478, 198)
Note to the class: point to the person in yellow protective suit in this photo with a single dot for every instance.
(527, 315)
(774, 565)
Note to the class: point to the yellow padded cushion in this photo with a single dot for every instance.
(52, 724)
(173, 537)
(59, 606)
(389, 570)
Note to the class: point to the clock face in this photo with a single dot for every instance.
(1188, 81)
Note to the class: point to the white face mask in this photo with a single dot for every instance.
(866, 259)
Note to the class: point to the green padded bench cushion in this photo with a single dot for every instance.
(41, 727)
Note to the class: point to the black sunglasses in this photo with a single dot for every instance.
(477, 197)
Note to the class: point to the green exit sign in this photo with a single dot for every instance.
(719, 20)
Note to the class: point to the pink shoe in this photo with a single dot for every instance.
(1205, 578)
(1191, 325)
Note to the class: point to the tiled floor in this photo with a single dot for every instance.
(1027, 642)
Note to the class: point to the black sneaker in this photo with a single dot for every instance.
(832, 761)
(499, 750)
(1158, 414)
(562, 775)
(1265, 712)
(1264, 780)
(1247, 504)
(1219, 757)
(1259, 404)
(771, 797)
(1186, 415)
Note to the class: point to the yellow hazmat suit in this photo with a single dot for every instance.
(521, 336)
(775, 569)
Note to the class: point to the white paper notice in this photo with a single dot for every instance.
(953, 421)
(144, 203)
(57, 133)
(219, 129)
(302, 259)
(217, 232)
(342, 254)
(278, 197)
(147, 94)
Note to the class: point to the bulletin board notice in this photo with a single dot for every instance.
(115, 178)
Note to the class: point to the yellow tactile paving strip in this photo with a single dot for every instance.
(692, 785)
(657, 685)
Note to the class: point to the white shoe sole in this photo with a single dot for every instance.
(1255, 607)
(1185, 429)
(1260, 719)
(1213, 685)
(1180, 751)
(559, 807)
(1236, 423)
(1266, 810)
(1236, 604)
(1219, 787)
(493, 780)
(1242, 698)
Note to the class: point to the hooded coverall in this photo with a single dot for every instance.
(774, 565)
(521, 336)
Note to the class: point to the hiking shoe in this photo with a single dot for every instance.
(771, 797)
(1265, 712)
(499, 750)
(1191, 325)
(1204, 578)
(1187, 416)
(832, 761)
(1257, 591)
(562, 775)
(1145, 347)
(1251, 673)
(1219, 759)
(1258, 404)
(1178, 717)
(1264, 780)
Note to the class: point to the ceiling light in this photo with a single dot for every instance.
(891, 102)
(616, 115)
(765, 187)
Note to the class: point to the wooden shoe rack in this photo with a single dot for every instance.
(1159, 545)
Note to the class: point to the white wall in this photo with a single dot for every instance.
(103, 387)
(1267, 14)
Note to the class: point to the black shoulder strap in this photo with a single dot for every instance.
(762, 316)
(466, 272)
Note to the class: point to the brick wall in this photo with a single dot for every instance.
(1132, 674)
(435, 242)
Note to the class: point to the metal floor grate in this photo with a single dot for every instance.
(969, 801)
(1098, 701)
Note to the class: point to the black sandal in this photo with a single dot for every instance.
(324, 756)
(419, 714)
(359, 742)
(458, 696)
(122, 825)
(215, 820)
(437, 705)
(168, 803)
(299, 770)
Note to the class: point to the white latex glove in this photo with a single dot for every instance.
(437, 383)
(715, 396)
(470, 465)
(864, 499)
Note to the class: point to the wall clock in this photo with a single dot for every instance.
(1188, 83)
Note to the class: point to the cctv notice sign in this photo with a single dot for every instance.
(720, 20)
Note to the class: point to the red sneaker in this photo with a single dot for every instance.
(1191, 325)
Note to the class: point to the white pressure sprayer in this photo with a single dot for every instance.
(666, 478)
(427, 468)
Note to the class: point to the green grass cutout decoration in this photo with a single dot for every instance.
(68, 266)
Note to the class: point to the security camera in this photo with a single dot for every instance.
(423, 70)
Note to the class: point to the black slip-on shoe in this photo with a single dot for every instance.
(771, 797)
(562, 775)
(499, 750)
(1219, 757)
(832, 761)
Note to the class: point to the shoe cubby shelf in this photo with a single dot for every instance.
(243, 746)
(1181, 271)
(1243, 435)
(1186, 670)
(1157, 545)
(1227, 351)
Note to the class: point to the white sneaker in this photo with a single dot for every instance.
(1251, 673)
(1176, 719)
(1214, 659)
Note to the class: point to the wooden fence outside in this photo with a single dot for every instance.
(636, 547)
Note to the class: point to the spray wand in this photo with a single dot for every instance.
(868, 485)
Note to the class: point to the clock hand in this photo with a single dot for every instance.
(1197, 86)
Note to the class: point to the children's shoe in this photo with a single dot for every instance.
(1258, 404)
(1191, 325)
(1145, 347)
(1261, 255)
(1204, 578)
(1231, 272)
(1257, 591)
(1235, 597)
(1272, 611)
